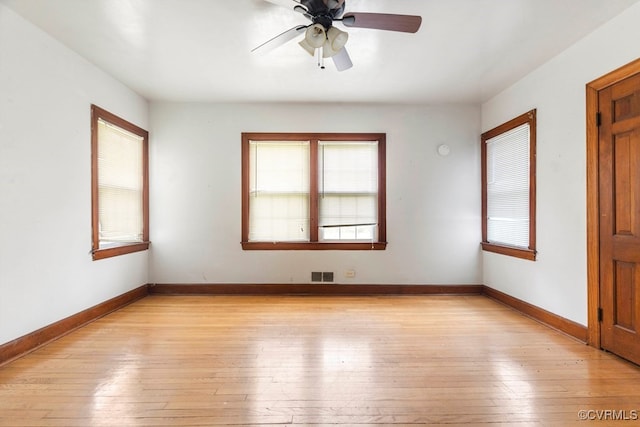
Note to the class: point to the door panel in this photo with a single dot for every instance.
(619, 187)
(625, 283)
(627, 106)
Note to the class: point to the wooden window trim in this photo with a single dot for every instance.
(97, 253)
(524, 253)
(314, 244)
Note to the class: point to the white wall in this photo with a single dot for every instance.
(558, 280)
(433, 202)
(46, 271)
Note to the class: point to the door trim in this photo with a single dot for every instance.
(593, 209)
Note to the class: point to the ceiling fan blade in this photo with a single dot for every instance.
(342, 60)
(281, 39)
(294, 5)
(289, 4)
(383, 21)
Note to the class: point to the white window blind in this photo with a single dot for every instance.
(508, 187)
(120, 185)
(279, 191)
(348, 190)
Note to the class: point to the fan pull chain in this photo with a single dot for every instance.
(320, 52)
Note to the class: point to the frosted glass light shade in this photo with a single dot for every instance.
(314, 38)
(336, 39)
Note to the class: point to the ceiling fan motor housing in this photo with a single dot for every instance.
(325, 20)
(326, 10)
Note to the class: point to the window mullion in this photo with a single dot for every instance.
(313, 191)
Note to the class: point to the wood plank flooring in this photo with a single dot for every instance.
(302, 360)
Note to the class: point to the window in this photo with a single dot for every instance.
(509, 188)
(313, 191)
(119, 185)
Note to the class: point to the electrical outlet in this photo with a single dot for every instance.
(350, 274)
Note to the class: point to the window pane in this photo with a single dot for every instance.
(508, 187)
(120, 185)
(279, 191)
(355, 214)
(348, 190)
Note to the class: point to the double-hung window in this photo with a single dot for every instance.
(313, 191)
(120, 185)
(508, 187)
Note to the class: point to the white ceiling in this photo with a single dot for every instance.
(199, 50)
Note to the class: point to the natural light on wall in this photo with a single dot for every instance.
(120, 177)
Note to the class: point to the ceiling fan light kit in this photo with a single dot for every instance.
(324, 40)
(314, 38)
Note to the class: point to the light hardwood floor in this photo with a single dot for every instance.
(295, 360)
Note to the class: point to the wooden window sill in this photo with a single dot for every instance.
(119, 250)
(527, 254)
(303, 246)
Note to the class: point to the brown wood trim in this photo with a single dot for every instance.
(30, 342)
(616, 75)
(593, 209)
(303, 246)
(245, 170)
(95, 238)
(484, 191)
(545, 317)
(310, 289)
(119, 250)
(382, 187)
(593, 220)
(509, 250)
(533, 155)
(314, 203)
(303, 136)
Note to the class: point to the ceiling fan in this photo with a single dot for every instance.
(323, 39)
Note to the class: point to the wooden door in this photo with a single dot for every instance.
(619, 195)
